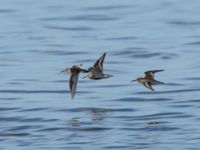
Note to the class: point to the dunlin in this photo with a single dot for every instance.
(148, 80)
(96, 71)
(74, 74)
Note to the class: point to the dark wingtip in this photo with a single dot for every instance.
(162, 70)
(154, 71)
(151, 89)
(162, 83)
(104, 54)
(72, 96)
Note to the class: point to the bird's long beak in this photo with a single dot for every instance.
(62, 71)
(133, 80)
(84, 71)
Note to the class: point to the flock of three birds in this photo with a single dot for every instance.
(96, 73)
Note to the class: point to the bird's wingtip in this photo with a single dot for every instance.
(72, 97)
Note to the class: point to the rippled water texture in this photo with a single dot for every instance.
(38, 39)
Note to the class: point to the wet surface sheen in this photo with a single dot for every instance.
(40, 38)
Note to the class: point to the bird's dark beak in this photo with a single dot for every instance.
(133, 80)
(62, 71)
(84, 71)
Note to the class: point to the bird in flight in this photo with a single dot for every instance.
(74, 72)
(96, 71)
(148, 80)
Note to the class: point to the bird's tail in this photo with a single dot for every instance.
(155, 82)
(107, 76)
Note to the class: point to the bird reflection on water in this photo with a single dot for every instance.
(96, 114)
(74, 122)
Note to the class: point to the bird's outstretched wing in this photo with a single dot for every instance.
(73, 82)
(150, 74)
(99, 63)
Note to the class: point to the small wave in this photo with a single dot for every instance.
(59, 52)
(94, 129)
(192, 78)
(8, 109)
(10, 99)
(107, 8)
(97, 110)
(185, 23)
(121, 38)
(194, 43)
(2, 11)
(35, 109)
(137, 99)
(170, 91)
(14, 134)
(138, 52)
(162, 115)
(38, 91)
(92, 18)
(69, 28)
(51, 129)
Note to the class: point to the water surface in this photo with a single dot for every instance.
(38, 39)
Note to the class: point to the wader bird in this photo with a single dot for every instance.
(96, 71)
(74, 74)
(148, 80)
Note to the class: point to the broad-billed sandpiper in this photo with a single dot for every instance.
(74, 74)
(148, 80)
(96, 71)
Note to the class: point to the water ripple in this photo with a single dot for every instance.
(170, 91)
(2, 11)
(35, 109)
(96, 110)
(80, 28)
(58, 52)
(194, 43)
(39, 91)
(121, 38)
(138, 52)
(111, 7)
(137, 99)
(14, 134)
(8, 108)
(10, 99)
(185, 23)
(163, 116)
(92, 18)
(94, 129)
(24, 127)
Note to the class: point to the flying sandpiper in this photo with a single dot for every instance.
(96, 71)
(74, 74)
(148, 80)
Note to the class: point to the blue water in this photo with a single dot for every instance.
(38, 39)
